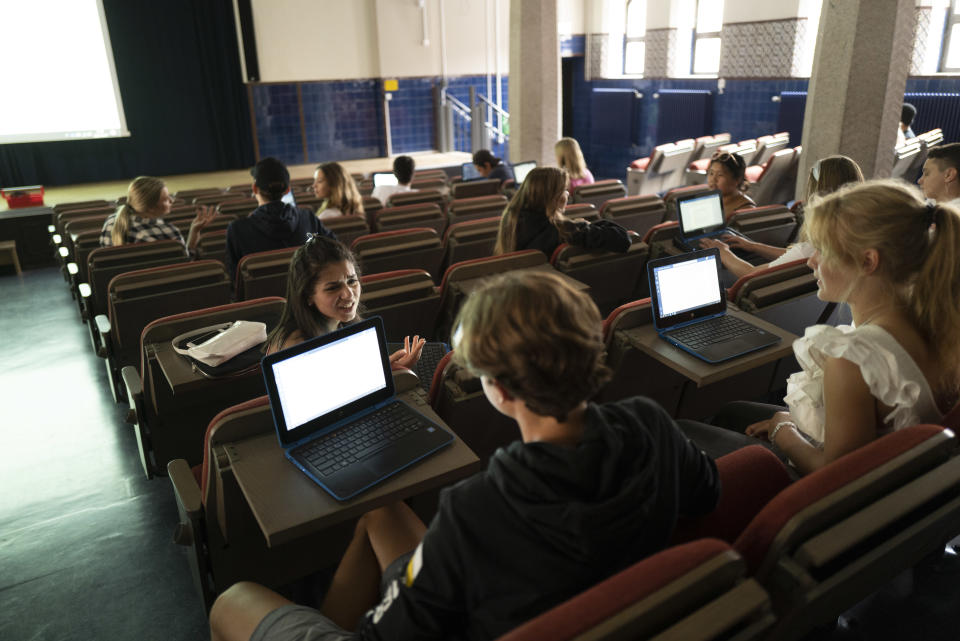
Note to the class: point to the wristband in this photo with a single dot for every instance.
(776, 429)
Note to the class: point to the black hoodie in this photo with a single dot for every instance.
(545, 522)
(274, 225)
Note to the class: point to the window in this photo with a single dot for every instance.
(634, 47)
(706, 37)
(950, 54)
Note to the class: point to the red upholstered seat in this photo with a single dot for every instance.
(640, 163)
(754, 172)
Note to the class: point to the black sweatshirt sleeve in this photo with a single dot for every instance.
(604, 235)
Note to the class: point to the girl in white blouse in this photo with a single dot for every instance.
(893, 258)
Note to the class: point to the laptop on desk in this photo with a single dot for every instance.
(383, 178)
(700, 215)
(337, 419)
(521, 169)
(690, 309)
(468, 171)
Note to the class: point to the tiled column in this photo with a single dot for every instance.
(765, 49)
(534, 80)
(856, 90)
(660, 60)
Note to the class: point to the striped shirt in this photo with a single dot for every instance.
(141, 230)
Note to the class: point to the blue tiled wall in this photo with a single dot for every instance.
(278, 122)
(343, 120)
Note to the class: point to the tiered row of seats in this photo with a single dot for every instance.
(771, 166)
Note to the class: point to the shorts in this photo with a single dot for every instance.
(299, 623)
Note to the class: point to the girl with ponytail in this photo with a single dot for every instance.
(140, 219)
(893, 258)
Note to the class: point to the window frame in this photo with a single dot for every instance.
(696, 35)
(952, 18)
(628, 39)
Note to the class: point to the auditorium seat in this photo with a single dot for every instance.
(598, 193)
(464, 275)
(707, 145)
(636, 213)
(138, 297)
(660, 238)
(772, 225)
(634, 370)
(347, 228)
(371, 206)
(776, 183)
(263, 274)
(427, 214)
(224, 541)
(213, 245)
(408, 301)
(906, 156)
(767, 146)
(457, 397)
(696, 591)
(170, 425)
(470, 239)
(431, 182)
(421, 197)
(74, 270)
(476, 208)
(413, 248)
(216, 199)
(365, 186)
(840, 533)
(189, 194)
(696, 172)
(430, 174)
(586, 211)
(662, 170)
(62, 218)
(59, 208)
(614, 278)
(239, 207)
(474, 188)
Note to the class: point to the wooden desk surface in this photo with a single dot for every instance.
(289, 505)
(177, 369)
(470, 284)
(700, 372)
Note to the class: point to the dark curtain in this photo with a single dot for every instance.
(183, 96)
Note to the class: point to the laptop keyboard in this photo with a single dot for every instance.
(430, 356)
(363, 437)
(717, 330)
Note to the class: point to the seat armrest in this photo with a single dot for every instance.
(84, 289)
(185, 488)
(405, 380)
(72, 269)
(102, 325)
(131, 380)
(63, 252)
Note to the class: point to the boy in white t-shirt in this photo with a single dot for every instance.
(403, 167)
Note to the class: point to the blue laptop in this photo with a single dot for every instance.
(690, 309)
(700, 215)
(337, 419)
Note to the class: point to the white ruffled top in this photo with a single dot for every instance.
(888, 370)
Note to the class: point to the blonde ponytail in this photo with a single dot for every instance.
(143, 195)
(118, 235)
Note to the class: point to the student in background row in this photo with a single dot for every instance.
(490, 167)
(403, 168)
(893, 258)
(940, 179)
(907, 113)
(726, 173)
(570, 157)
(585, 492)
(140, 219)
(274, 224)
(826, 176)
(340, 195)
(533, 219)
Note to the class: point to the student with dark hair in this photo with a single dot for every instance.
(489, 166)
(907, 113)
(726, 173)
(940, 179)
(587, 491)
(533, 219)
(403, 167)
(274, 224)
(323, 294)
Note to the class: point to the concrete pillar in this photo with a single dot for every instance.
(534, 80)
(856, 90)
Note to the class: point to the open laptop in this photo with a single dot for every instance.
(332, 399)
(521, 169)
(469, 172)
(690, 309)
(384, 178)
(700, 215)
(289, 199)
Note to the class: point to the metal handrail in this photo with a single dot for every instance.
(493, 106)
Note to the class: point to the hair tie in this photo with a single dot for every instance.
(930, 216)
(815, 170)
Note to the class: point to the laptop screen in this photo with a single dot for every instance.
(288, 198)
(327, 379)
(469, 171)
(521, 169)
(684, 285)
(384, 179)
(700, 214)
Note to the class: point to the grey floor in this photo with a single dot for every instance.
(86, 547)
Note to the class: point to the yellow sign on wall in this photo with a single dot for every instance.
(391, 85)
